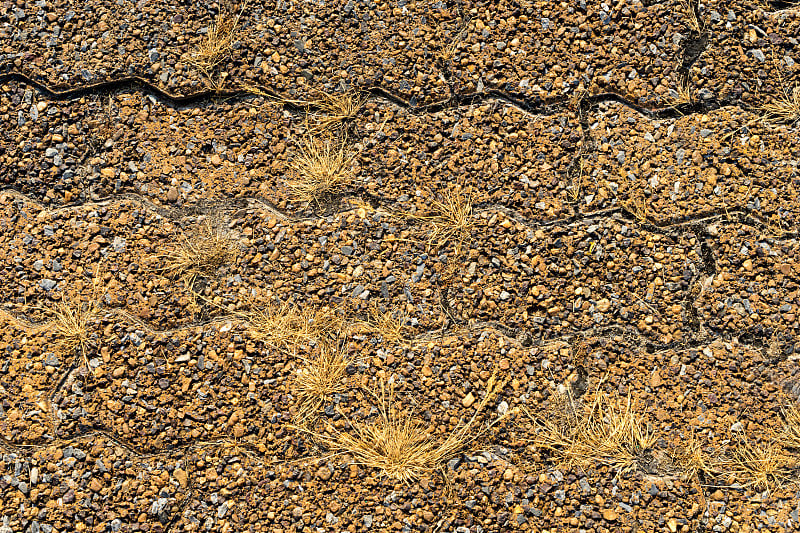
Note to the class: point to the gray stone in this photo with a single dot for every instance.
(47, 284)
(758, 54)
(418, 274)
(118, 244)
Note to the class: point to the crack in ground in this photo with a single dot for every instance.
(533, 106)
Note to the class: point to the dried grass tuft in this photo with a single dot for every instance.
(200, 255)
(760, 465)
(401, 446)
(287, 327)
(605, 431)
(72, 320)
(389, 325)
(217, 42)
(785, 109)
(682, 94)
(690, 10)
(790, 436)
(334, 110)
(320, 377)
(692, 459)
(321, 170)
(449, 218)
(329, 112)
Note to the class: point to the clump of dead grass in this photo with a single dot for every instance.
(760, 465)
(286, 327)
(72, 319)
(217, 43)
(322, 168)
(636, 203)
(320, 377)
(603, 431)
(785, 109)
(328, 112)
(692, 459)
(197, 256)
(448, 52)
(390, 325)
(790, 436)
(333, 111)
(398, 444)
(449, 217)
(72, 322)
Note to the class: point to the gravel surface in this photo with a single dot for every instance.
(629, 233)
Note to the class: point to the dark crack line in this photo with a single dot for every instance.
(534, 106)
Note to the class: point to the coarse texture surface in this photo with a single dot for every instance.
(418, 265)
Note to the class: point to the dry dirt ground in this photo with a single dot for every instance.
(353, 265)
